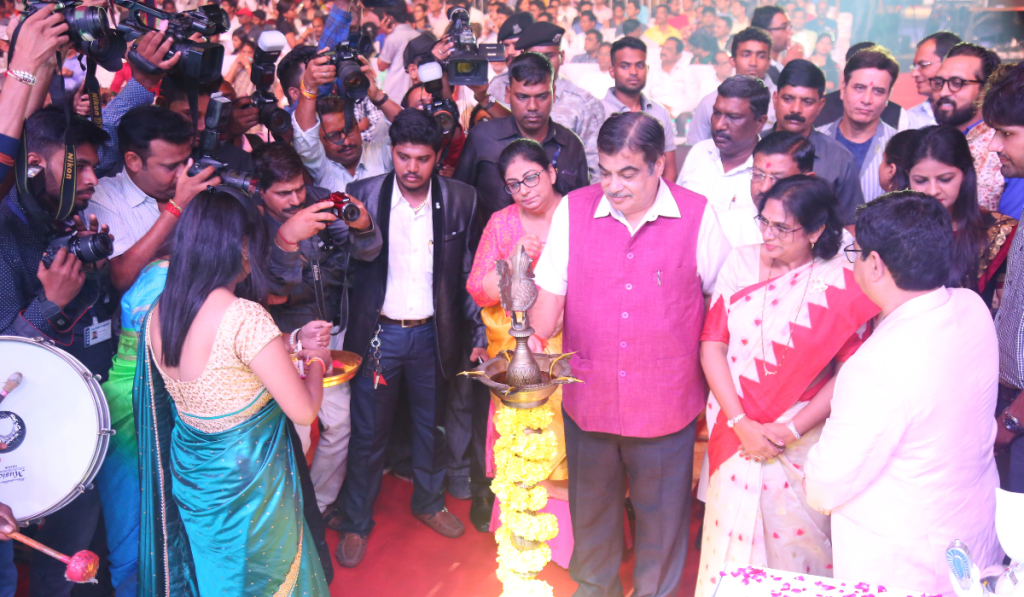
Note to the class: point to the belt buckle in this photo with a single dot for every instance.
(403, 323)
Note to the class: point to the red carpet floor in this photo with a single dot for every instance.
(405, 558)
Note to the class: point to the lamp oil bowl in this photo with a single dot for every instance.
(552, 370)
(520, 378)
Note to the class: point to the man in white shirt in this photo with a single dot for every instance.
(142, 204)
(720, 168)
(927, 60)
(437, 17)
(751, 49)
(396, 81)
(905, 462)
(334, 156)
(410, 317)
(667, 84)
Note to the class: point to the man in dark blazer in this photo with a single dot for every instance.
(410, 318)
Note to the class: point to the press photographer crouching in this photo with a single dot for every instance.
(143, 202)
(68, 301)
(308, 303)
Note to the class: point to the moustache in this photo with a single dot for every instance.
(721, 136)
(292, 209)
(795, 118)
(946, 101)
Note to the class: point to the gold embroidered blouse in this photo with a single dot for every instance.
(225, 394)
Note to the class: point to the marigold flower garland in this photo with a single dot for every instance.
(521, 461)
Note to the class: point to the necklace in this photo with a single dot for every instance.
(419, 208)
(764, 354)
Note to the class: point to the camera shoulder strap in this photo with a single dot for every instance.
(92, 87)
(37, 216)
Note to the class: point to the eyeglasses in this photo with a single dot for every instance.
(759, 177)
(780, 232)
(530, 180)
(786, 27)
(339, 138)
(955, 83)
(851, 253)
(921, 65)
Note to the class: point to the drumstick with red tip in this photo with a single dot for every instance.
(12, 382)
(82, 567)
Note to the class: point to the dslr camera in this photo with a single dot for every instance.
(89, 31)
(217, 117)
(200, 61)
(467, 64)
(90, 248)
(264, 68)
(352, 82)
(443, 109)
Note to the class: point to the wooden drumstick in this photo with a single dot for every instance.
(81, 568)
(12, 382)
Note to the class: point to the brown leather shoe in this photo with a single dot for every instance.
(351, 549)
(444, 522)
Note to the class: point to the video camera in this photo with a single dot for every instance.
(200, 60)
(467, 64)
(443, 109)
(264, 68)
(90, 32)
(352, 82)
(218, 114)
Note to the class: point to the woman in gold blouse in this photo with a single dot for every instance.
(222, 505)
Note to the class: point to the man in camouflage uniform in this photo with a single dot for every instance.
(574, 108)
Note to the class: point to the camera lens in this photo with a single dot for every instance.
(446, 121)
(87, 23)
(92, 248)
(352, 80)
(275, 119)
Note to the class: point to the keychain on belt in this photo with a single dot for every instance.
(374, 367)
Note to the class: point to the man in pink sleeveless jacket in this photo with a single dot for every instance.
(629, 262)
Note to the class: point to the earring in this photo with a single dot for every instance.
(812, 244)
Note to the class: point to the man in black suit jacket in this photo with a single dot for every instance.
(410, 317)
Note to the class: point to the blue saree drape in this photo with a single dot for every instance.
(221, 513)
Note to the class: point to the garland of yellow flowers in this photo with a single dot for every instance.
(521, 462)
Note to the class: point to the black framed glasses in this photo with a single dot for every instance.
(851, 253)
(955, 83)
(530, 180)
(339, 138)
(780, 232)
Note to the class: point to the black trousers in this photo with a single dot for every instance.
(659, 472)
(466, 429)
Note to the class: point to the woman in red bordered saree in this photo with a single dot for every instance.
(785, 315)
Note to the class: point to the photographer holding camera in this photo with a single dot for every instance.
(174, 97)
(305, 303)
(68, 300)
(143, 202)
(141, 90)
(330, 146)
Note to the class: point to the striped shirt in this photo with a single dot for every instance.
(1010, 318)
(334, 177)
(123, 207)
(869, 183)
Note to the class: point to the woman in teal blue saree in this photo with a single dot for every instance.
(221, 507)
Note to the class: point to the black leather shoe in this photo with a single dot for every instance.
(480, 513)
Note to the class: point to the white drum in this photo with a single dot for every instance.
(54, 428)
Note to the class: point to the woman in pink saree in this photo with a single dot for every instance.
(784, 317)
(530, 179)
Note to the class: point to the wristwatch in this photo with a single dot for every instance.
(1011, 423)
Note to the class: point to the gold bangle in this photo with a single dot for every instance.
(305, 92)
